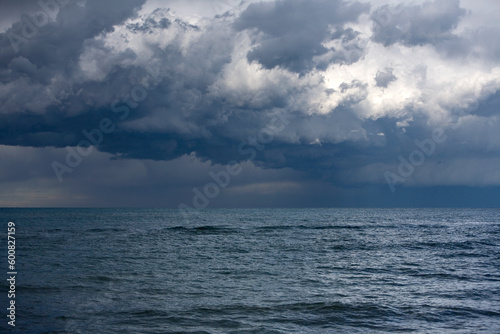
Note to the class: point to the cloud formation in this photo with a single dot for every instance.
(357, 82)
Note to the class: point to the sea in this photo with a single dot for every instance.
(253, 271)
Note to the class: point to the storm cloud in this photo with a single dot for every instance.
(353, 87)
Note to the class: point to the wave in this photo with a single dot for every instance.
(207, 229)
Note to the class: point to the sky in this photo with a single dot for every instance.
(276, 103)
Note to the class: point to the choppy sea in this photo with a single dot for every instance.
(254, 271)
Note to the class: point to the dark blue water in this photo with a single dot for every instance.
(255, 271)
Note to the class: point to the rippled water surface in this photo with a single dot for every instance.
(256, 271)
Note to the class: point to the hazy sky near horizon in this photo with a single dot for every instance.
(249, 103)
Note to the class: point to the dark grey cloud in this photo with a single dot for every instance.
(434, 23)
(293, 32)
(384, 78)
(428, 23)
(37, 70)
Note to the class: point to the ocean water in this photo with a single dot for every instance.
(255, 271)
